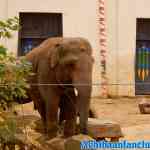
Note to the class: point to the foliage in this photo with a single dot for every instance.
(13, 71)
(13, 78)
(6, 27)
(13, 75)
(7, 130)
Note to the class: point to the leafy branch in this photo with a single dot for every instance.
(13, 79)
(6, 27)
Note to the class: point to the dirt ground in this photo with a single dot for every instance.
(124, 111)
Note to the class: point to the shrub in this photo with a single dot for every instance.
(13, 71)
(13, 80)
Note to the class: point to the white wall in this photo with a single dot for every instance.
(122, 36)
(3, 14)
(112, 30)
(121, 15)
(79, 19)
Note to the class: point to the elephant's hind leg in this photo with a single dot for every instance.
(39, 105)
(52, 104)
(42, 112)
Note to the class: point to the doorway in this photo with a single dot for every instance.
(142, 65)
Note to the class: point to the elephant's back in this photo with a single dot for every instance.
(79, 43)
(47, 45)
(42, 48)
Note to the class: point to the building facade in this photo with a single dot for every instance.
(128, 29)
(80, 19)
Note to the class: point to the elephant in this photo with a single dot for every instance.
(60, 66)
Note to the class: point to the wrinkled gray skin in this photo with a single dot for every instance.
(61, 60)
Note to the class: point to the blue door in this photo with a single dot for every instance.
(142, 65)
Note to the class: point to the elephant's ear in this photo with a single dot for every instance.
(54, 55)
(61, 55)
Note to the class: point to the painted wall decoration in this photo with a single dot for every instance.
(143, 62)
(103, 47)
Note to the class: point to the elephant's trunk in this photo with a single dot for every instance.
(83, 105)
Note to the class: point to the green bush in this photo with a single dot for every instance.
(13, 71)
(13, 80)
(6, 27)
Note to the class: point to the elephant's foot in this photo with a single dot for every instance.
(84, 131)
(51, 134)
(69, 128)
(52, 129)
(40, 126)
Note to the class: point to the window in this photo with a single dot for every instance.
(36, 27)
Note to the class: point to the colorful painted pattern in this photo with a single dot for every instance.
(143, 63)
(103, 47)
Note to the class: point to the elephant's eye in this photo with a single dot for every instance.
(82, 49)
(71, 66)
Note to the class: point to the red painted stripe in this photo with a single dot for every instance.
(103, 46)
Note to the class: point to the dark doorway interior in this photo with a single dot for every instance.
(36, 27)
(142, 67)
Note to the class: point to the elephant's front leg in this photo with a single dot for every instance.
(52, 103)
(84, 113)
(83, 100)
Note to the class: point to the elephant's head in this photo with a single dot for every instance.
(62, 56)
(74, 56)
(67, 52)
(72, 59)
